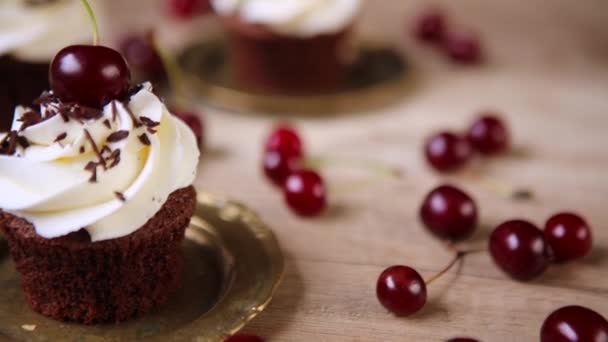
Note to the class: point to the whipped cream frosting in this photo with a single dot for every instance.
(55, 178)
(36, 32)
(302, 18)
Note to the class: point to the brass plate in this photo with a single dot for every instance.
(233, 265)
(379, 77)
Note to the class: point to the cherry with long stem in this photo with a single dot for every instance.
(91, 14)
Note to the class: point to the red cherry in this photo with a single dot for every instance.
(574, 324)
(188, 8)
(278, 165)
(463, 48)
(430, 26)
(285, 139)
(569, 236)
(401, 290)
(195, 123)
(141, 55)
(489, 135)
(449, 213)
(520, 249)
(305, 193)
(90, 75)
(447, 151)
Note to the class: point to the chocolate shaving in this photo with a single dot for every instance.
(91, 166)
(132, 91)
(115, 157)
(45, 98)
(114, 111)
(81, 149)
(96, 149)
(80, 112)
(148, 122)
(120, 196)
(93, 178)
(23, 142)
(29, 118)
(8, 145)
(144, 139)
(106, 123)
(118, 136)
(106, 148)
(61, 137)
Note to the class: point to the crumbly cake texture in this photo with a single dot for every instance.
(74, 280)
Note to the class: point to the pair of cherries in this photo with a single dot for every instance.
(462, 47)
(524, 252)
(447, 151)
(283, 164)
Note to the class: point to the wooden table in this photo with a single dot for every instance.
(547, 72)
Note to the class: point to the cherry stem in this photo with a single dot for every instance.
(174, 73)
(458, 257)
(91, 14)
(506, 191)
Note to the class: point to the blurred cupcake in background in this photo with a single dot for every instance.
(288, 46)
(31, 33)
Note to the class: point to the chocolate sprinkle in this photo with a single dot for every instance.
(106, 123)
(114, 111)
(118, 136)
(144, 139)
(81, 149)
(120, 196)
(8, 145)
(148, 122)
(115, 157)
(29, 118)
(91, 165)
(95, 149)
(23, 142)
(61, 137)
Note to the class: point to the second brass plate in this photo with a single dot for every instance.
(232, 266)
(379, 76)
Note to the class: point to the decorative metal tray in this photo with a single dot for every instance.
(379, 76)
(232, 266)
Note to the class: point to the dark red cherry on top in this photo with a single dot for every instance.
(401, 290)
(89, 75)
(305, 193)
(489, 135)
(447, 151)
(519, 248)
(574, 324)
(449, 213)
(244, 338)
(569, 236)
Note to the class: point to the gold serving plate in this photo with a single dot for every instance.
(379, 76)
(232, 267)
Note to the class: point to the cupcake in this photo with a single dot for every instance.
(31, 32)
(288, 46)
(95, 203)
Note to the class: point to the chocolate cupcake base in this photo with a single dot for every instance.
(20, 84)
(72, 279)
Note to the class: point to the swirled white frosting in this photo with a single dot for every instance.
(302, 18)
(47, 184)
(35, 33)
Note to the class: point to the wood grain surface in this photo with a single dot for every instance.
(547, 73)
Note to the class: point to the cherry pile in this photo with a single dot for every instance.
(461, 47)
(283, 164)
(524, 252)
(448, 151)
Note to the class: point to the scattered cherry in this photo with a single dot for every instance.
(449, 213)
(520, 249)
(89, 75)
(285, 138)
(244, 338)
(305, 193)
(489, 135)
(140, 53)
(430, 26)
(463, 48)
(195, 123)
(447, 151)
(278, 165)
(462, 339)
(574, 324)
(188, 8)
(569, 236)
(401, 290)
